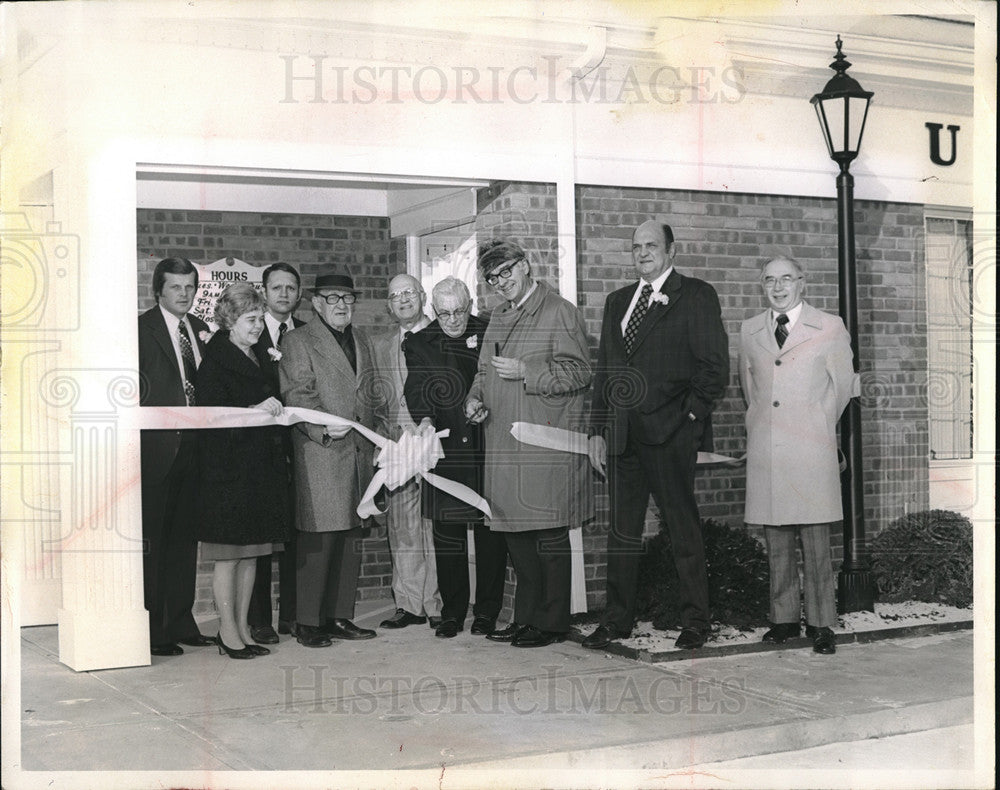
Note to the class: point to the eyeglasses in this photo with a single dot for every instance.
(406, 293)
(785, 280)
(454, 315)
(501, 274)
(334, 298)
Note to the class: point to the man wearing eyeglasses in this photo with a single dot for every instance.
(797, 374)
(328, 365)
(411, 541)
(441, 364)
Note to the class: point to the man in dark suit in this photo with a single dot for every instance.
(170, 349)
(282, 290)
(663, 363)
(441, 361)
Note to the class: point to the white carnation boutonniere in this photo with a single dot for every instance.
(659, 298)
(274, 354)
(472, 341)
(204, 336)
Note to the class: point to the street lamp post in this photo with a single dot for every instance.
(842, 109)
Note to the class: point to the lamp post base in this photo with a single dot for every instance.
(855, 591)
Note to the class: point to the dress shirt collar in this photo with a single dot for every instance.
(273, 326)
(793, 316)
(423, 323)
(531, 290)
(658, 282)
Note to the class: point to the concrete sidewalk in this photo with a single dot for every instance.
(472, 713)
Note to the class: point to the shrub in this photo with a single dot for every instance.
(925, 556)
(738, 587)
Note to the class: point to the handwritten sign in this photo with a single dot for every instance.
(214, 278)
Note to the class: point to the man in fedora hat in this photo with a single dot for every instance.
(326, 365)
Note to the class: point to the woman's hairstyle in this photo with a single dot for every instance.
(237, 299)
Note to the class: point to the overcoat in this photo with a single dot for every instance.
(440, 371)
(795, 395)
(244, 497)
(330, 474)
(531, 488)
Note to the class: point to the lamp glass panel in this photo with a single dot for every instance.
(856, 117)
(835, 111)
(822, 125)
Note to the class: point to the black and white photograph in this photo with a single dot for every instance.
(498, 395)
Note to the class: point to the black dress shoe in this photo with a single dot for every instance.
(483, 625)
(257, 650)
(342, 628)
(242, 652)
(602, 636)
(781, 632)
(530, 636)
(691, 638)
(263, 635)
(312, 636)
(505, 634)
(401, 619)
(197, 641)
(823, 640)
(287, 627)
(434, 621)
(166, 649)
(447, 629)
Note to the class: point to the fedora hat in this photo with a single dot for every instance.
(334, 278)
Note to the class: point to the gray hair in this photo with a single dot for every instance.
(791, 261)
(451, 286)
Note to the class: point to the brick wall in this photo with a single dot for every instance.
(723, 238)
(309, 242)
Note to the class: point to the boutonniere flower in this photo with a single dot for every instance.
(205, 336)
(659, 298)
(274, 354)
(472, 342)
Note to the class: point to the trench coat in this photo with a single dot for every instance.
(330, 474)
(244, 497)
(531, 488)
(794, 396)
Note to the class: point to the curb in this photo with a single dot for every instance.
(856, 637)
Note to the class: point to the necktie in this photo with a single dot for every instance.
(632, 327)
(780, 331)
(282, 328)
(187, 354)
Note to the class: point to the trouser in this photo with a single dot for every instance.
(327, 570)
(451, 554)
(411, 543)
(817, 571)
(541, 560)
(260, 599)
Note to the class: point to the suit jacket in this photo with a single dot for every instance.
(440, 371)
(160, 384)
(267, 364)
(795, 395)
(244, 498)
(679, 365)
(392, 372)
(330, 475)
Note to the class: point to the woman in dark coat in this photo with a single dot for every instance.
(244, 505)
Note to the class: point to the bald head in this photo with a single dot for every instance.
(652, 249)
(406, 300)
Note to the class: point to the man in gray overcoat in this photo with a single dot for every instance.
(327, 365)
(797, 374)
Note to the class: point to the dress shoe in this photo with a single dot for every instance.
(483, 625)
(602, 636)
(823, 640)
(287, 627)
(505, 634)
(342, 628)
(401, 619)
(257, 650)
(243, 652)
(263, 635)
(529, 636)
(434, 620)
(691, 638)
(780, 632)
(311, 636)
(197, 641)
(447, 629)
(166, 649)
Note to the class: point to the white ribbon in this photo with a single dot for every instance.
(413, 455)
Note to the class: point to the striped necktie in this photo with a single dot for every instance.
(187, 354)
(780, 330)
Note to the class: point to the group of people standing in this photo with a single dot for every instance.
(662, 365)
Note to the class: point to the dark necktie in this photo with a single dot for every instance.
(406, 336)
(632, 327)
(780, 330)
(187, 354)
(282, 328)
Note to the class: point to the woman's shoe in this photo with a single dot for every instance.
(243, 652)
(257, 650)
